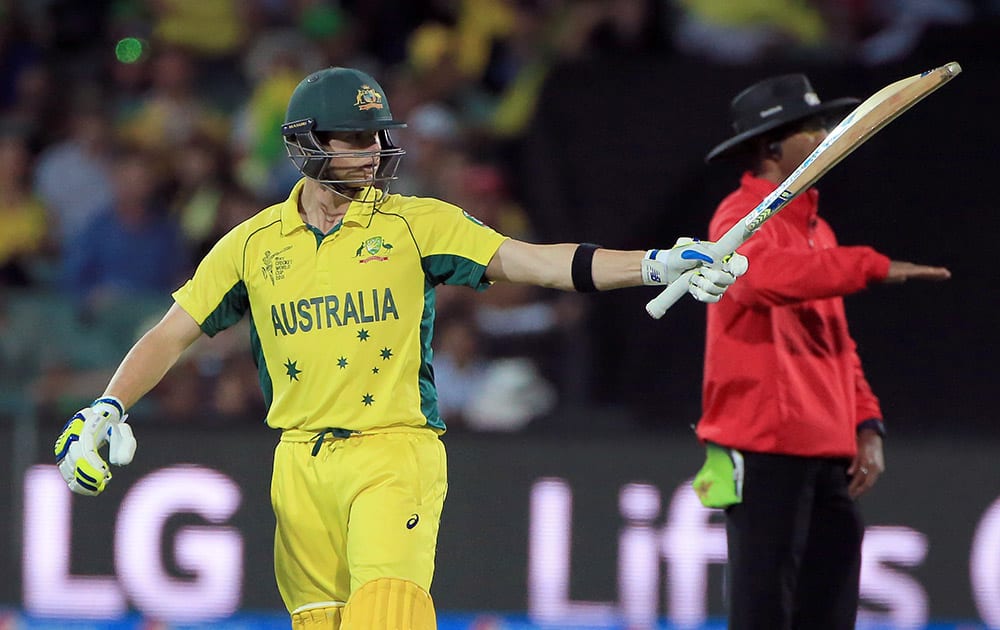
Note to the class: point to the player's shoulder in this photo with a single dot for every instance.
(432, 213)
(411, 206)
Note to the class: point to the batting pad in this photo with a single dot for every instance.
(323, 616)
(389, 604)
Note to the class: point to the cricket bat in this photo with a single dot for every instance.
(861, 124)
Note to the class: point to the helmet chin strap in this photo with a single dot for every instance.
(347, 192)
(350, 190)
(350, 193)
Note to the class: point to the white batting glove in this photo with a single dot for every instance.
(715, 273)
(76, 448)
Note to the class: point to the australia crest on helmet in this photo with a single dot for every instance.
(368, 98)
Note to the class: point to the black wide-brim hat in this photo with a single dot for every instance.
(773, 103)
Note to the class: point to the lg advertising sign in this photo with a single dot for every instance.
(185, 543)
(209, 555)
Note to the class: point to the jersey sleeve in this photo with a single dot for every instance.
(216, 296)
(455, 247)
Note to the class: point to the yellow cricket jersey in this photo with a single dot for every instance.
(341, 324)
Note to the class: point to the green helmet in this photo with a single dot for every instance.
(332, 100)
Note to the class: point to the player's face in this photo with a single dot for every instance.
(362, 159)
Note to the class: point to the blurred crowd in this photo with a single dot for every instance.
(134, 133)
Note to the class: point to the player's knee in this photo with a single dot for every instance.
(389, 604)
(318, 616)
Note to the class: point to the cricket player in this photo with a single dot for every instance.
(339, 284)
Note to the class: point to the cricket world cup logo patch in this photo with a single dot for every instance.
(373, 248)
(274, 265)
(368, 98)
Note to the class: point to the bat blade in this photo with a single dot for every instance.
(857, 128)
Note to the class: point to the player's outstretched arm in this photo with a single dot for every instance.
(568, 266)
(103, 422)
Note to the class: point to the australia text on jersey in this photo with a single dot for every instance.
(327, 311)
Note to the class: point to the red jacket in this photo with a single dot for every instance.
(782, 373)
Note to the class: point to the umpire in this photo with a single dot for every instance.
(792, 429)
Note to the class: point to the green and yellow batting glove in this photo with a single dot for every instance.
(77, 448)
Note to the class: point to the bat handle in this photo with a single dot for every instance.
(669, 296)
(733, 238)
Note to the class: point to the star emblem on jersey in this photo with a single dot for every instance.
(363, 335)
(292, 370)
(386, 354)
(375, 370)
(373, 249)
(367, 400)
(342, 362)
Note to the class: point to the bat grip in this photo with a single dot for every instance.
(726, 245)
(733, 238)
(669, 296)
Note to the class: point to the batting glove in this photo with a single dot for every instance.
(715, 273)
(76, 449)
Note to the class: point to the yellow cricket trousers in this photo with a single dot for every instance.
(361, 508)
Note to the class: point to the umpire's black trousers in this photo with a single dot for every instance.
(794, 546)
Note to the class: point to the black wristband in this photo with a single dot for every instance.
(874, 424)
(583, 267)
